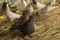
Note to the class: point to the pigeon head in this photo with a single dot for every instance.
(4, 6)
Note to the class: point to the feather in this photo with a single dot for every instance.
(47, 7)
(25, 22)
(24, 2)
(37, 5)
(8, 12)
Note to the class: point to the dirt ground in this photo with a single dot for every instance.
(47, 27)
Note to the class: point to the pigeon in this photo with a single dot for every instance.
(37, 5)
(25, 22)
(8, 12)
(41, 7)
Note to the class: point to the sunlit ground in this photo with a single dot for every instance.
(47, 27)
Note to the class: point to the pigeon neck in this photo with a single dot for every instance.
(7, 8)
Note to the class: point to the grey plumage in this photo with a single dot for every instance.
(37, 5)
(42, 8)
(25, 23)
(46, 8)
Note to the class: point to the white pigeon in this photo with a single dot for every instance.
(37, 5)
(48, 6)
(43, 8)
(10, 14)
(40, 6)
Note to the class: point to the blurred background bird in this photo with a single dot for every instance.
(24, 2)
(8, 12)
(41, 7)
(48, 7)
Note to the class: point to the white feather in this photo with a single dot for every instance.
(10, 14)
(38, 5)
(25, 3)
(44, 7)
